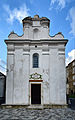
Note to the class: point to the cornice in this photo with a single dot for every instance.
(41, 41)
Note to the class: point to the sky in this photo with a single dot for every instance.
(60, 12)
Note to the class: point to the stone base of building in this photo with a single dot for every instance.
(56, 106)
(46, 106)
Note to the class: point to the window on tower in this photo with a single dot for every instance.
(35, 60)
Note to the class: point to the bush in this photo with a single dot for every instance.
(71, 96)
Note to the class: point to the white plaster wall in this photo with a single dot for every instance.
(44, 32)
(51, 65)
(26, 33)
(62, 79)
(18, 77)
(54, 76)
(45, 76)
(30, 32)
(9, 80)
(26, 65)
(21, 77)
(17, 83)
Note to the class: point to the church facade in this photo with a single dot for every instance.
(36, 65)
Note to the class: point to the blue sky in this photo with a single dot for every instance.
(60, 12)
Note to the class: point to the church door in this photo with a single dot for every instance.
(35, 93)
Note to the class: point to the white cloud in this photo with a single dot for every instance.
(16, 13)
(60, 4)
(3, 67)
(71, 57)
(71, 17)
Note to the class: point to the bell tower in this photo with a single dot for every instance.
(36, 28)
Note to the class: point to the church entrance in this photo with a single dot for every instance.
(35, 93)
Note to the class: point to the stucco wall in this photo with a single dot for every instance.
(51, 67)
(51, 51)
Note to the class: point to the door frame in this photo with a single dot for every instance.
(30, 92)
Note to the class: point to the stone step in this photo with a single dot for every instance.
(37, 107)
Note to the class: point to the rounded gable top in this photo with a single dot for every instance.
(27, 18)
(36, 17)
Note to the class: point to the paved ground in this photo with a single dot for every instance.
(46, 114)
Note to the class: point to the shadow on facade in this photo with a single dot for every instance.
(2, 88)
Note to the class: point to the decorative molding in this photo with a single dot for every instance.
(26, 48)
(47, 41)
(61, 53)
(61, 49)
(18, 46)
(26, 53)
(10, 53)
(45, 53)
(45, 48)
(35, 76)
(35, 80)
(10, 47)
(11, 67)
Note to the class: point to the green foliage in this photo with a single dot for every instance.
(71, 96)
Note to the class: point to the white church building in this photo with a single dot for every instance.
(36, 65)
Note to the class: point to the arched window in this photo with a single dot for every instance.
(35, 60)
